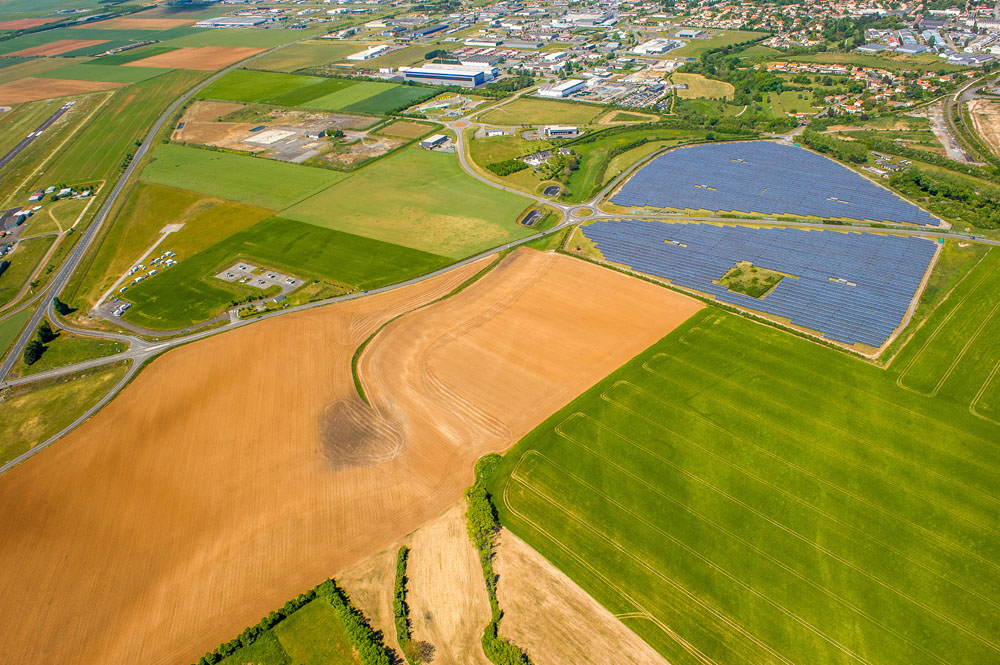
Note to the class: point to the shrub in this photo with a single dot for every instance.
(507, 167)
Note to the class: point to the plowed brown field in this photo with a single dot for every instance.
(202, 58)
(57, 47)
(29, 89)
(240, 470)
(139, 24)
(22, 23)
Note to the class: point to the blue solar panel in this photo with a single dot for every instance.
(767, 178)
(879, 274)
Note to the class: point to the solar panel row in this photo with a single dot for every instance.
(763, 177)
(879, 274)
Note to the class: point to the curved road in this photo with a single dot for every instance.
(140, 351)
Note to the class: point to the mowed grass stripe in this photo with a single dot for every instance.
(695, 457)
(728, 504)
(766, 577)
(856, 452)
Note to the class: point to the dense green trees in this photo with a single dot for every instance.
(33, 352)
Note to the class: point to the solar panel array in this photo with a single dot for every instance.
(883, 271)
(767, 178)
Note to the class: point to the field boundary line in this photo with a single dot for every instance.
(718, 615)
(823, 590)
(940, 327)
(982, 389)
(805, 504)
(617, 545)
(847, 434)
(778, 357)
(643, 612)
(794, 533)
(860, 499)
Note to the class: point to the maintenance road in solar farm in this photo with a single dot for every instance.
(764, 177)
(851, 287)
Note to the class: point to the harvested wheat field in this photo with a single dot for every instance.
(22, 23)
(140, 23)
(986, 121)
(202, 58)
(29, 89)
(237, 471)
(57, 47)
(554, 620)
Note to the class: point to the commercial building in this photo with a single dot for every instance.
(656, 46)
(561, 131)
(689, 33)
(564, 89)
(462, 75)
(480, 60)
(231, 22)
(369, 53)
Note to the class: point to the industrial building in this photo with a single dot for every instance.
(461, 75)
(561, 131)
(231, 22)
(432, 142)
(369, 53)
(564, 89)
(656, 46)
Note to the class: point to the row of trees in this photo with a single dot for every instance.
(36, 347)
(483, 525)
(414, 652)
(846, 151)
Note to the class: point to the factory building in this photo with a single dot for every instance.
(467, 76)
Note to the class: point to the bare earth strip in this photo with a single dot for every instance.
(139, 24)
(22, 23)
(235, 472)
(29, 89)
(986, 121)
(554, 620)
(57, 47)
(202, 58)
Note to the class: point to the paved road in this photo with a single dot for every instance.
(25, 142)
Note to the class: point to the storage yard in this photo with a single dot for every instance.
(854, 288)
(231, 541)
(767, 178)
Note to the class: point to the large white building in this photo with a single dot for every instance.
(369, 53)
(231, 22)
(467, 76)
(564, 89)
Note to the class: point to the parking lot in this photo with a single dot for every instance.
(259, 278)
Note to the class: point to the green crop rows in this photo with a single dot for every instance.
(740, 495)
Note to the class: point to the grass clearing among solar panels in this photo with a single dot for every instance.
(743, 495)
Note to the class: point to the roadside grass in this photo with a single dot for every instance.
(695, 47)
(99, 149)
(188, 293)
(306, 54)
(313, 635)
(533, 111)
(10, 328)
(23, 262)
(68, 349)
(85, 71)
(699, 86)
(436, 207)
(766, 497)
(55, 216)
(148, 208)
(33, 413)
(266, 183)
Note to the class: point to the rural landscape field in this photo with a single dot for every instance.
(362, 333)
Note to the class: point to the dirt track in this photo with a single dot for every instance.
(205, 495)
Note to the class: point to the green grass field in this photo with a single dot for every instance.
(131, 55)
(533, 111)
(10, 328)
(69, 349)
(33, 414)
(188, 293)
(435, 207)
(261, 182)
(85, 71)
(32, 67)
(737, 494)
(253, 38)
(23, 262)
(696, 47)
(241, 85)
(920, 62)
(306, 54)
(99, 148)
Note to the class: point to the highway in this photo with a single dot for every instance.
(26, 141)
(141, 351)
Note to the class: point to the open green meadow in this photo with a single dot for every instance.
(85, 71)
(696, 47)
(255, 38)
(100, 147)
(737, 494)
(69, 349)
(306, 54)
(23, 262)
(261, 182)
(534, 111)
(435, 206)
(922, 62)
(188, 293)
(32, 67)
(329, 94)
